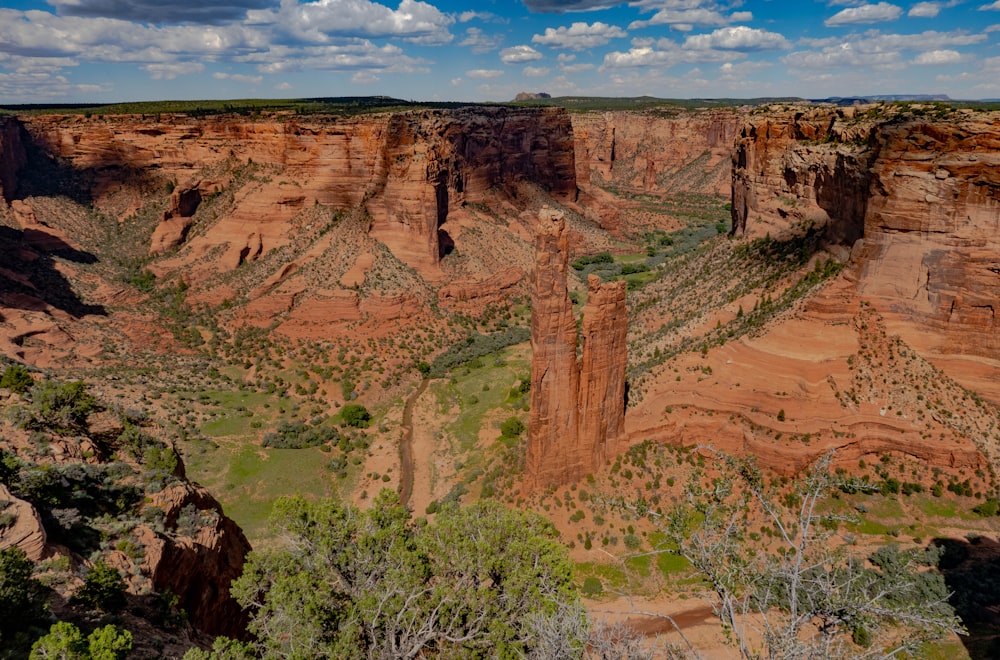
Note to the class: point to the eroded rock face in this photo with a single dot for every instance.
(199, 566)
(409, 169)
(577, 410)
(916, 199)
(25, 530)
(656, 153)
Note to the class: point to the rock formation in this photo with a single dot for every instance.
(915, 198)
(12, 156)
(577, 410)
(409, 169)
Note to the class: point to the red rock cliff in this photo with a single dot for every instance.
(409, 169)
(577, 410)
(915, 198)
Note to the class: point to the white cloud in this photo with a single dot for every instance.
(924, 10)
(171, 71)
(576, 68)
(535, 71)
(579, 36)
(875, 50)
(993, 6)
(518, 54)
(364, 78)
(283, 86)
(322, 20)
(664, 53)
(238, 77)
(883, 11)
(739, 37)
(484, 74)
(685, 19)
(481, 42)
(935, 57)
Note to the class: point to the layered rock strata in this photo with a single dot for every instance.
(577, 409)
(915, 197)
(407, 169)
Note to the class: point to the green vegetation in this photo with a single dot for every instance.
(103, 589)
(374, 584)
(62, 407)
(66, 642)
(298, 435)
(795, 578)
(355, 415)
(16, 378)
(476, 346)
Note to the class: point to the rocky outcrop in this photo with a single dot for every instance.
(602, 371)
(177, 220)
(22, 526)
(198, 564)
(577, 410)
(915, 197)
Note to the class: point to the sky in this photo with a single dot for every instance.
(95, 51)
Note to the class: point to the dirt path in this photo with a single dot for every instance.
(406, 446)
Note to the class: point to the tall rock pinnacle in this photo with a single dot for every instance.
(577, 410)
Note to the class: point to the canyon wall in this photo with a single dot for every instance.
(914, 196)
(409, 169)
(577, 409)
(655, 151)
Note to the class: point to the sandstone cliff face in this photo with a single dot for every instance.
(656, 153)
(917, 199)
(409, 169)
(577, 410)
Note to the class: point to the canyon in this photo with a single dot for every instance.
(783, 281)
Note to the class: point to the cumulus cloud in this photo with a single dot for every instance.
(924, 10)
(685, 19)
(935, 57)
(739, 37)
(481, 42)
(863, 14)
(579, 36)
(238, 77)
(322, 20)
(156, 11)
(484, 74)
(664, 53)
(874, 50)
(518, 54)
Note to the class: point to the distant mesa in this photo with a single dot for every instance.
(531, 96)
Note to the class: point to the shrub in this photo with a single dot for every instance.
(355, 415)
(512, 427)
(103, 589)
(61, 407)
(592, 586)
(987, 509)
(17, 378)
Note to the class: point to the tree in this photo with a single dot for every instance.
(479, 582)
(66, 642)
(103, 588)
(802, 595)
(355, 415)
(20, 594)
(62, 407)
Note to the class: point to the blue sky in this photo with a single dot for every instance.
(130, 50)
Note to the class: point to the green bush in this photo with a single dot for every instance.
(103, 589)
(60, 407)
(512, 427)
(987, 509)
(355, 415)
(17, 378)
(592, 586)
